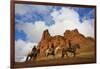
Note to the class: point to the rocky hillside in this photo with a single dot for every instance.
(86, 43)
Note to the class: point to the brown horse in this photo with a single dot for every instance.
(71, 49)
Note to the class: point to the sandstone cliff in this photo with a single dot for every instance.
(86, 43)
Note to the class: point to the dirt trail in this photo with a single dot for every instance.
(57, 60)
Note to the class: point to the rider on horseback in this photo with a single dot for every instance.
(50, 50)
(32, 54)
(72, 49)
(34, 49)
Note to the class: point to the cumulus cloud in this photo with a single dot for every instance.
(22, 48)
(68, 18)
(33, 31)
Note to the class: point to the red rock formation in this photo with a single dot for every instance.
(74, 36)
(45, 41)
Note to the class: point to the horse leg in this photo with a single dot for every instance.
(30, 58)
(66, 54)
(74, 54)
(27, 58)
(63, 54)
(53, 54)
(47, 54)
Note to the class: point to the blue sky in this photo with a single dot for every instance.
(32, 20)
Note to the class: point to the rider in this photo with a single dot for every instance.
(52, 48)
(69, 43)
(33, 53)
(34, 49)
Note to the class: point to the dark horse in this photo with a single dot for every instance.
(71, 49)
(33, 55)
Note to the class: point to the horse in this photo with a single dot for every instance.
(56, 49)
(72, 49)
(33, 55)
(49, 51)
(52, 51)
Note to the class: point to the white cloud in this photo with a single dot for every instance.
(22, 48)
(68, 18)
(33, 31)
(64, 19)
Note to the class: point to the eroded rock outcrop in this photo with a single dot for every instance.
(86, 43)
